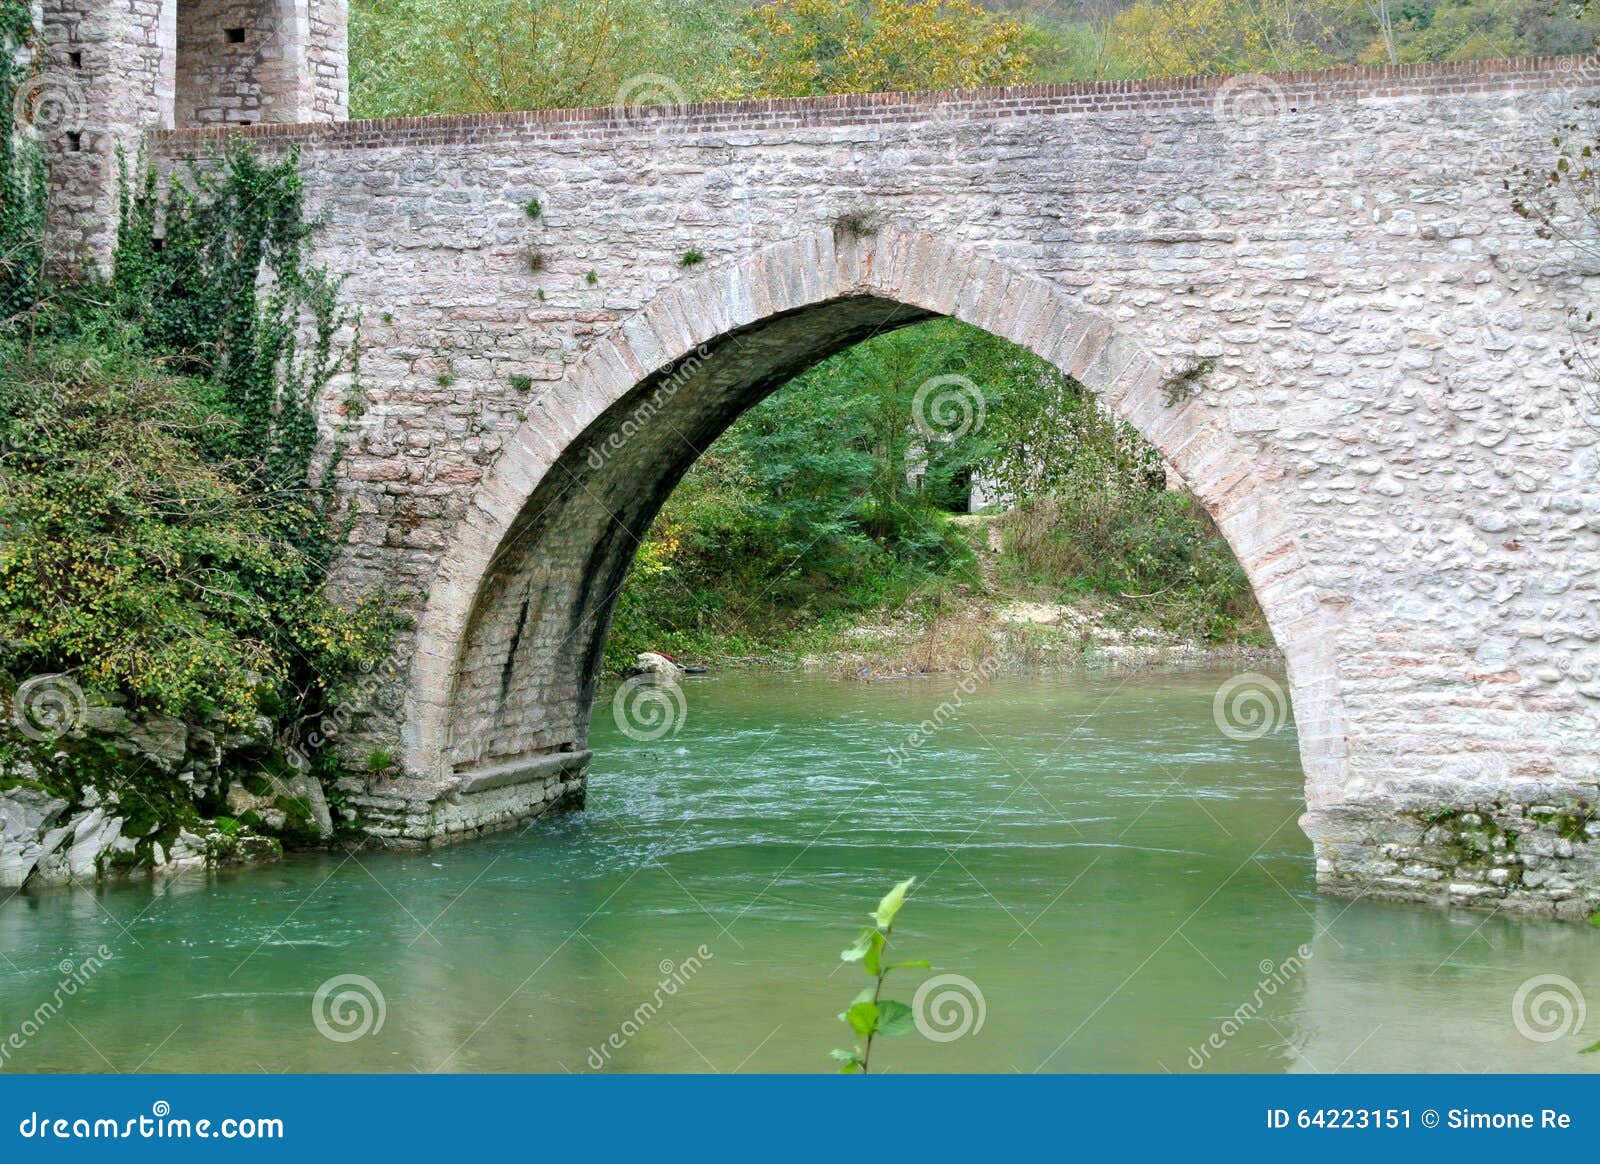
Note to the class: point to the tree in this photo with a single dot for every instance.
(1178, 37)
(802, 48)
(414, 57)
(1451, 30)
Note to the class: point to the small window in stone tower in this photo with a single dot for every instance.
(234, 35)
(75, 60)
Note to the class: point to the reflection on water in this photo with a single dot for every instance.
(1125, 885)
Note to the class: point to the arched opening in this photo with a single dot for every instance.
(509, 648)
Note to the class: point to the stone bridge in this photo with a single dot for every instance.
(1309, 291)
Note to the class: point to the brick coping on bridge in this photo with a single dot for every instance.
(1290, 91)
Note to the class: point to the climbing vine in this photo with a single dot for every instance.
(1561, 198)
(212, 275)
(22, 174)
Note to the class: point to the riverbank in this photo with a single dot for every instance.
(999, 619)
(1005, 634)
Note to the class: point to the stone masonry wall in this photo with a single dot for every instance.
(114, 70)
(1388, 434)
(241, 62)
(106, 78)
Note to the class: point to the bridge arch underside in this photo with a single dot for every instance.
(531, 655)
(507, 651)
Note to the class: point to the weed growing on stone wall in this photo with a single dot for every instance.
(222, 289)
(533, 209)
(691, 258)
(521, 382)
(869, 1013)
(533, 259)
(1181, 385)
(1562, 200)
(592, 279)
(854, 225)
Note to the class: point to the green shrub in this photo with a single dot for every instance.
(163, 538)
(141, 560)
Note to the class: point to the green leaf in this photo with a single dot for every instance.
(863, 995)
(894, 1018)
(841, 1055)
(1595, 920)
(850, 1069)
(1591, 1050)
(873, 962)
(913, 964)
(863, 1018)
(858, 949)
(891, 903)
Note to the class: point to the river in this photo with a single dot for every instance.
(1109, 881)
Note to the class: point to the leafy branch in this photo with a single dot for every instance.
(869, 1013)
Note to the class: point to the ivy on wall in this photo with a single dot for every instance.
(168, 523)
(212, 275)
(22, 173)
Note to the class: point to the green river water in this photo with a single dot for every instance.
(1118, 880)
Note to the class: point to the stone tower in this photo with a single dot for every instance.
(112, 70)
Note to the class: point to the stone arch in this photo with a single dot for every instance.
(531, 568)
